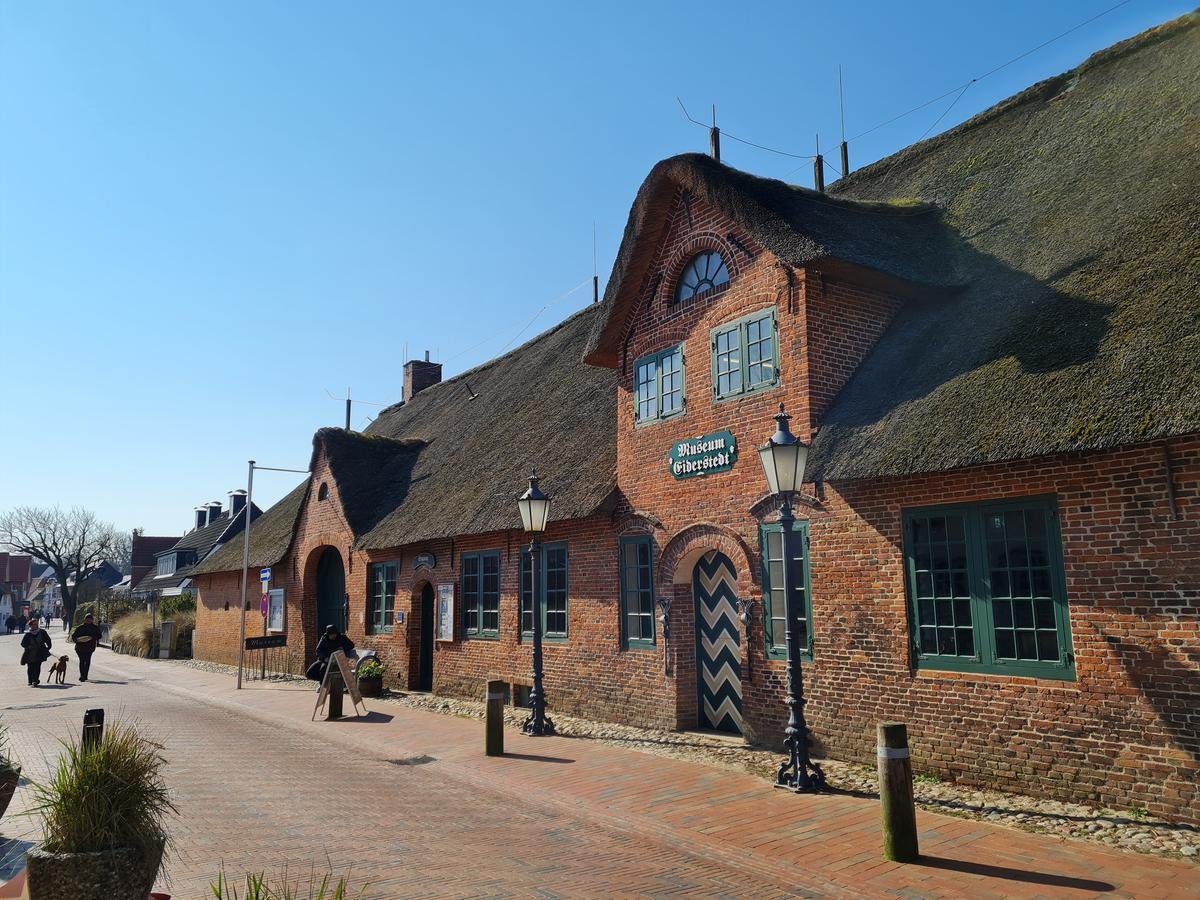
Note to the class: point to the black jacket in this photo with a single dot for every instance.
(326, 647)
(86, 638)
(37, 647)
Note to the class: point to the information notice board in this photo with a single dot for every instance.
(445, 612)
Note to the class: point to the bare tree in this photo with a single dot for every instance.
(121, 555)
(70, 542)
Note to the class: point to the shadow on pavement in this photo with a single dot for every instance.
(533, 757)
(371, 717)
(990, 871)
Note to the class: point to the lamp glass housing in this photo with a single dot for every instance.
(534, 507)
(783, 458)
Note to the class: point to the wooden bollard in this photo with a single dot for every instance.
(494, 723)
(336, 687)
(93, 728)
(896, 793)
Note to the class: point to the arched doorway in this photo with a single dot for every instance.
(331, 590)
(718, 643)
(424, 677)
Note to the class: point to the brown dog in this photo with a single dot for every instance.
(59, 669)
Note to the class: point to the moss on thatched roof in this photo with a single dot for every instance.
(453, 460)
(270, 537)
(537, 406)
(1076, 208)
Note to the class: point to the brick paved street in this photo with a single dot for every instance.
(407, 800)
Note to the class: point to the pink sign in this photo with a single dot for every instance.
(263, 605)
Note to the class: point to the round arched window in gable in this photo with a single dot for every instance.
(323, 492)
(705, 272)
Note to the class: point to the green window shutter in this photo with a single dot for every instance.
(658, 386)
(381, 612)
(554, 585)
(774, 607)
(636, 566)
(481, 594)
(986, 588)
(745, 355)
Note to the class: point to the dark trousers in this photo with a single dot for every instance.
(35, 671)
(85, 664)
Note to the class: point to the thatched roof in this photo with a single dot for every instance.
(537, 406)
(270, 537)
(1048, 252)
(1077, 207)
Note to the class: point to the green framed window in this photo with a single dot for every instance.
(554, 592)
(481, 594)
(774, 607)
(637, 591)
(745, 355)
(986, 588)
(658, 386)
(381, 608)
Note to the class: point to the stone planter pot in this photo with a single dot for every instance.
(370, 686)
(8, 785)
(108, 875)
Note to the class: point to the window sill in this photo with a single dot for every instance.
(1057, 678)
(749, 392)
(640, 646)
(527, 637)
(481, 637)
(658, 420)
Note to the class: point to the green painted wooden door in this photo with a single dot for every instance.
(718, 643)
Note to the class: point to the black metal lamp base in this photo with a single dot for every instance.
(814, 784)
(533, 728)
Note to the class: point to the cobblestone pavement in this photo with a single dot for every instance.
(407, 801)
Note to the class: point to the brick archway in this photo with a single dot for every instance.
(679, 556)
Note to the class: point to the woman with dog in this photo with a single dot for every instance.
(85, 638)
(36, 645)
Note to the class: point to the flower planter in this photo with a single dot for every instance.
(126, 874)
(8, 785)
(370, 686)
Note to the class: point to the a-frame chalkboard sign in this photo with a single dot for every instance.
(339, 667)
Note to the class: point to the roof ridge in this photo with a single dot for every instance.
(1035, 91)
(591, 307)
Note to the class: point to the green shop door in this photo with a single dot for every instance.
(331, 591)
(718, 644)
(425, 654)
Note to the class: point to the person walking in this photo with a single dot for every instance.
(10, 624)
(85, 638)
(36, 644)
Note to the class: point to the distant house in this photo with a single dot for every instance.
(213, 527)
(144, 552)
(16, 573)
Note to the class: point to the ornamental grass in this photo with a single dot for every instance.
(107, 796)
(319, 886)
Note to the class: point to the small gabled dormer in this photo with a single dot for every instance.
(728, 288)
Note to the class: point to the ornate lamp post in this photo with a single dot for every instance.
(783, 458)
(535, 510)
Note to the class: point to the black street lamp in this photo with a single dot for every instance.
(535, 510)
(783, 458)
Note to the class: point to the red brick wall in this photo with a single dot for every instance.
(1125, 732)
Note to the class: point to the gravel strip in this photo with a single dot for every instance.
(1131, 830)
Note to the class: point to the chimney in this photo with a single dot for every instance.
(237, 502)
(201, 516)
(214, 511)
(420, 374)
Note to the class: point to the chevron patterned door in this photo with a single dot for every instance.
(718, 646)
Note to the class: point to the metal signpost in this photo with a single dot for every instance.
(265, 574)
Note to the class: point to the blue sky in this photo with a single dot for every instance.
(213, 213)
